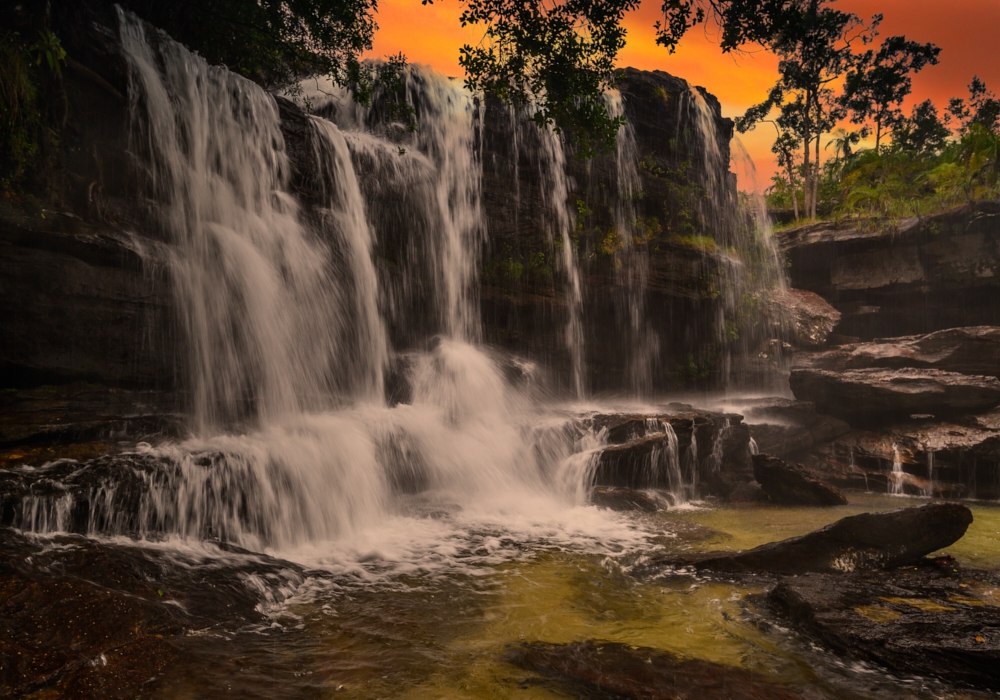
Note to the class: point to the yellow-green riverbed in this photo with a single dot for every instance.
(446, 636)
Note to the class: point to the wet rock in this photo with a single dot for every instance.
(879, 395)
(928, 620)
(952, 458)
(806, 314)
(624, 500)
(781, 440)
(700, 448)
(866, 542)
(612, 670)
(793, 485)
(974, 350)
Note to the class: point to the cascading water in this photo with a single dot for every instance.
(896, 477)
(643, 343)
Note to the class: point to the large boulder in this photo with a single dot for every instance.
(613, 670)
(866, 542)
(928, 620)
(973, 350)
(864, 395)
(793, 485)
(807, 315)
(906, 277)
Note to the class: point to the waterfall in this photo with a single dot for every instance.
(633, 275)
(260, 303)
(754, 271)
(896, 477)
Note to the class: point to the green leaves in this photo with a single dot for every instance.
(558, 59)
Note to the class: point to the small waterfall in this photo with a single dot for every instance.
(929, 490)
(754, 271)
(555, 189)
(643, 344)
(896, 477)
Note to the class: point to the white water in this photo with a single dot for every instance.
(633, 273)
(896, 477)
(295, 451)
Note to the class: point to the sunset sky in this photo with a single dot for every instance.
(968, 31)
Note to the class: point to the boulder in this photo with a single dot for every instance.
(613, 670)
(879, 395)
(790, 485)
(781, 440)
(866, 542)
(807, 315)
(973, 350)
(748, 492)
(933, 619)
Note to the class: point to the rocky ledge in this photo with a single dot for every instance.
(880, 395)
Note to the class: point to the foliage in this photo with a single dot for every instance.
(558, 57)
(29, 136)
(982, 107)
(274, 42)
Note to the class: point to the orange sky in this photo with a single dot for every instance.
(967, 30)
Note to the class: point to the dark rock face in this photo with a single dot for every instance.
(611, 670)
(793, 485)
(926, 274)
(866, 542)
(808, 316)
(84, 303)
(881, 395)
(927, 620)
(974, 350)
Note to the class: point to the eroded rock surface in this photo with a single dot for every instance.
(929, 620)
(882, 394)
(974, 350)
(807, 315)
(793, 485)
(611, 670)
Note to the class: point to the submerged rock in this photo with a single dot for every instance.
(928, 620)
(793, 485)
(883, 394)
(612, 670)
(866, 542)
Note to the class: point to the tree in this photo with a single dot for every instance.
(982, 107)
(784, 149)
(922, 132)
(274, 42)
(557, 56)
(878, 81)
(814, 43)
